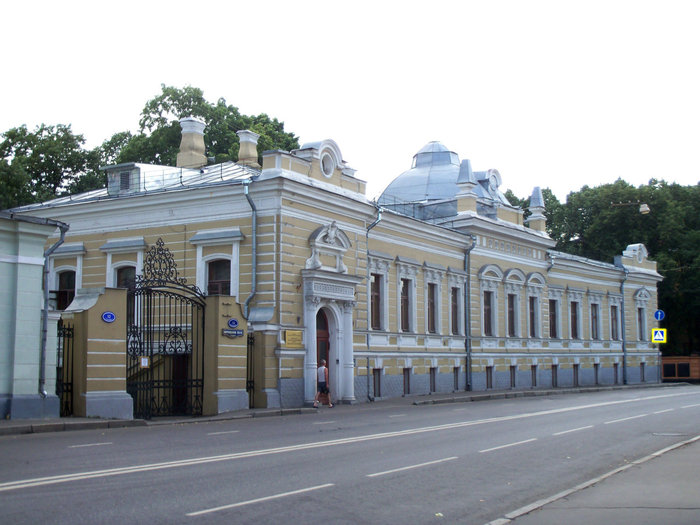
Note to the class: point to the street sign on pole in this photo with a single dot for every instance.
(659, 315)
(658, 335)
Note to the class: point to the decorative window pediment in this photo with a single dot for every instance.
(328, 246)
(642, 297)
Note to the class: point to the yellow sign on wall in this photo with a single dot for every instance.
(293, 338)
(658, 335)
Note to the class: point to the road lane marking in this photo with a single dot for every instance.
(664, 411)
(419, 465)
(572, 430)
(323, 422)
(624, 419)
(397, 415)
(691, 406)
(76, 476)
(508, 445)
(90, 445)
(223, 432)
(260, 500)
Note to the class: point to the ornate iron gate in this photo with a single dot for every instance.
(165, 340)
(64, 368)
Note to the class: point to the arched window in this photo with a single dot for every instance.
(219, 277)
(66, 289)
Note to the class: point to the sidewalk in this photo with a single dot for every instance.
(661, 488)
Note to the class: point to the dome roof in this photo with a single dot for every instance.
(433, 176)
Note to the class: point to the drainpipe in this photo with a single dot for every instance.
(369, 302)
(624, 331)
(467, 315)
(254, 235)
(45, 311)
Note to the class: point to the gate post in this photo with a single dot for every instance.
(98, 316)
(224, 356)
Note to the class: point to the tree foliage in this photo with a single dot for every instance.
(601, 222)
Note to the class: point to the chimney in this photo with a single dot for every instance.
(248, 151)
(191, 153)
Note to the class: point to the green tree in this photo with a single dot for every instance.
(158, 141)
(40, 164)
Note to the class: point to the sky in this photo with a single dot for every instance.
(556, 94)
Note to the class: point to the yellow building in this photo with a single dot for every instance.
(439, 286)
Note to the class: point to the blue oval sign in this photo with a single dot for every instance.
(109, 317)
(233, 323)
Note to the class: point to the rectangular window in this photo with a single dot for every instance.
(555, 380)
(614, 329)
(534, 325)
(512, 302)
(642, 372)
(489, 377)
(576, 368)
(553, 319)
(513, 371)
(454, 309)
(433, 378)
(456, 377)
(406, 381)
(405, 305)
(616, 373)
(488, 313)
(641, 324)
(432, 307)
(595, 319)
(596, 373)
(376, 301)
(377, 381)
(574, 320)
(533, 373)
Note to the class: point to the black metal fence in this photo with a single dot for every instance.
(64, 368)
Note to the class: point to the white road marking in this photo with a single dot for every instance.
(76, 476)
(419, 465)
(664, 411)
(323, 422)
(90, 445)
(625, 419)
(223, 432)
(397, 415)
(259, 500)
(508, 445)
(572, 430)
(691, 406)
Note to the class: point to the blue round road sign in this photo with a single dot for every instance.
(109, 317)
(659, 315)
(233, 323)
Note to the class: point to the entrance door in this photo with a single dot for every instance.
(323, 341)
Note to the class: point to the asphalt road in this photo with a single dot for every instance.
(381, 463)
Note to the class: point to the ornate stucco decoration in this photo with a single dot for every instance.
(328, 245)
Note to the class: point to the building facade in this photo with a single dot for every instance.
(440, 286)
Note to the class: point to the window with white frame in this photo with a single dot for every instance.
(217, 253)
(554, 312)
(66, 273)
(406, 271)
(456, 280)
(535, 288)
(432, 277)
(575, 297)
(490, 278)
(378, 287)
(641, 299)
(121, 253)
(514, 281)
(596, 327)
(614, 302)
